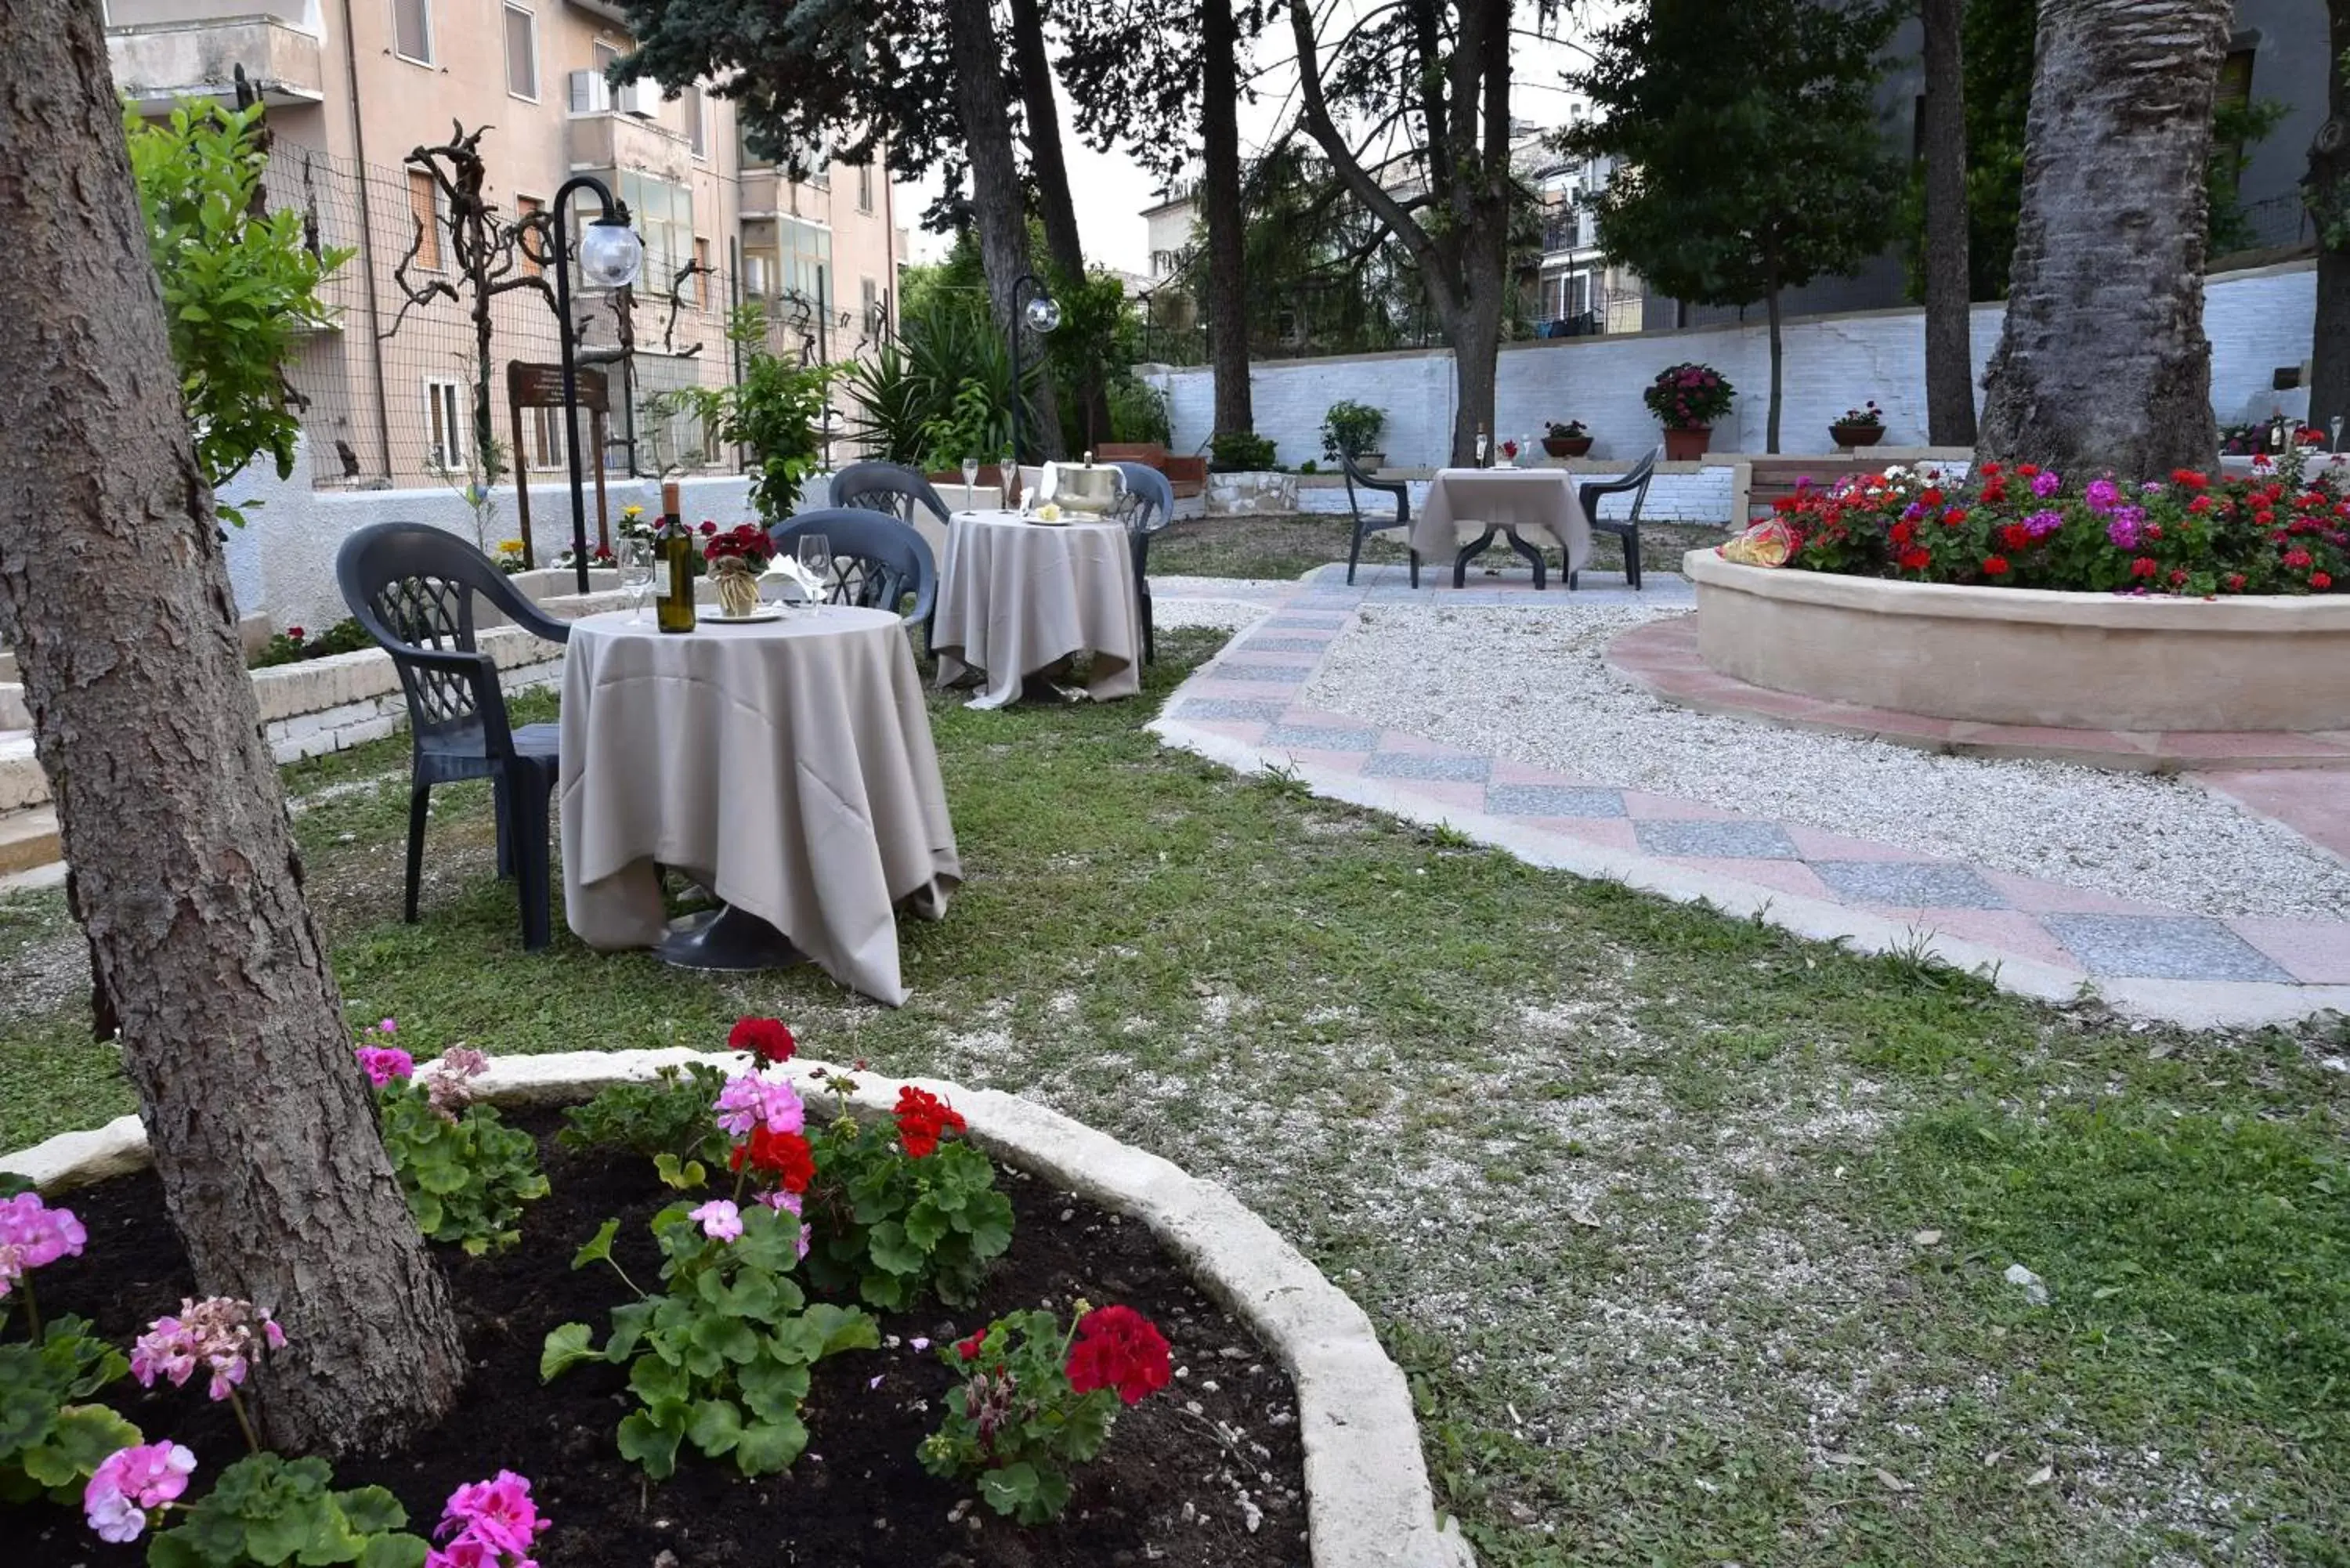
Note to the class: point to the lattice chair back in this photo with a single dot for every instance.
(877, 560)
(889, 488)
(1150, 498)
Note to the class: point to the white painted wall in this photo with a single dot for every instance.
(2257, 321)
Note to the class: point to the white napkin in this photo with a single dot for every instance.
(788, 567)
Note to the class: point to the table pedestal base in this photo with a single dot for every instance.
(1479, 546)
(727, 938)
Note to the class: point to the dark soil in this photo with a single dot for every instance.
(1168, 1489)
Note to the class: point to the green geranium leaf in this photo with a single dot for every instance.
(370, 1510)
(714, 1426)
(844, 1328)
(890, 1251)
(654, 1380)
(82, 1438)
(728, 1336)
(926, 1224)
(599, 1248)
(565, 1348)
(988, 1223)
(887, 1291)
(768, 1448)
(683, 1175)
(1006, 1490)
(395, 1552)
(772, 1389)
(645, 1443)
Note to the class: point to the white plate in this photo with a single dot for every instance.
(757, 614)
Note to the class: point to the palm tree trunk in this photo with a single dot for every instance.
(1950, 347)
(1219, 144)
(114, 594)
(2103, 363)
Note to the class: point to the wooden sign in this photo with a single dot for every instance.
(532, 386)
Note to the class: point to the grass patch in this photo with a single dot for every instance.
(1629, 1188)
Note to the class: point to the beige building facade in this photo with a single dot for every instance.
(354, 87)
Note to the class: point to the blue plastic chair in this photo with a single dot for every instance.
(887, 559)
(1151, 510)
(412, 587)
(890, 488)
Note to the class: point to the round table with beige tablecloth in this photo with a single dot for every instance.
(786, 766)
(1017, 598)
(1467, 507)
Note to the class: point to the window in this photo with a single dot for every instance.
(804, 251)
(533, 259)
(874, 325)
(412, 30)
(424, 205)
(522, 53)
(759, 274)
(743, 156)
(543, 431)
(663, 213)
(699, 287)
(865, 186)
(445, 425)
(689, 108)
(2231, 105)
(811, 165)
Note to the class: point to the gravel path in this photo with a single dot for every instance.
(1532, 685)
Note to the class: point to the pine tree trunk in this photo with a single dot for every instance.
(1950, 347)
(1778, 363)
(995, 196)
(1062, 241)
(2103, 362)
(1219, 142)
(2326, 188)
(114, 594)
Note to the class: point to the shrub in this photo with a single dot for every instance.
(466, 1173)
(1239, 451)
(896, 1210)
(1351, 429)
(1138, 411)
(1688, 396)
(667, 1121)
(297, 643)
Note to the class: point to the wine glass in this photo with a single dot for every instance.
(636, 575)
(816, 560)
(970, 482)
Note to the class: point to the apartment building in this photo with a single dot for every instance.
(353, 87)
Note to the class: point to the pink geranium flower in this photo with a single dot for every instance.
(130, 1483)
(749, 1101)
(492, 1523)
(218, 1333)
(719, 1219)
(39, 1234)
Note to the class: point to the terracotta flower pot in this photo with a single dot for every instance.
(1857, 435)
(1566, 446)
(1686, 445)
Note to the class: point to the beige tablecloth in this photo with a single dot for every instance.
(786, 766)
(1538, 505)
(1016, 598)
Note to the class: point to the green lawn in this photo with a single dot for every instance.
(1689, 1234)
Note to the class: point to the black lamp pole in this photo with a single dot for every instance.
(613, 213)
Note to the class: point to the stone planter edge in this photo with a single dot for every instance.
(1368, 1499)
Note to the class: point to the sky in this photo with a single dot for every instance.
(1110, 190)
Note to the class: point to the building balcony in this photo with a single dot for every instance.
(159, 62)
(611, 139)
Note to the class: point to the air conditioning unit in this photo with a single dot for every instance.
(640, 98)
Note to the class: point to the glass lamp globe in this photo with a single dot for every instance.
(1044, 314)
(610, 255)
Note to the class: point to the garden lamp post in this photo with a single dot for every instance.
(611, 256)
(1041, 315)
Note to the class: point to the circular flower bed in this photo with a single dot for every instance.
(2281, 531)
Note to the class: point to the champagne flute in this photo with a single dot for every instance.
(970, 481)
(635, 576)
(816, 560)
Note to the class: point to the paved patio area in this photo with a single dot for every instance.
(2039, 936)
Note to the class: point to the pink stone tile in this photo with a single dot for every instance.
(1231, 729)
(2227, 745)
(1444, 792)
(1672, 808)
(2032, 895)
(1813, 844)
(1246, 691)
(2313, 802)
(2051, 739)
(2008, 931)
(1324, 717)
(1610, 832)
(1310, 756)
(2314, 952)
(1785, 876)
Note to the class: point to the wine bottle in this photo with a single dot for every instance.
(676, 611)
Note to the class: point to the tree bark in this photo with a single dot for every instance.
(1950, 347)
(1062, 242)
(2326, 190)
(984, 109)
(114, 594)
(1220, 156)
(1778, 362)
(2103, 363)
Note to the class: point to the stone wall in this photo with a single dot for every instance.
(2257, 320)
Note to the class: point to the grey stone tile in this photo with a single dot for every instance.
(1418, 765)
(1286, 674)
(1322, 737)
(2161, 947)
(1923, 884)
(1723, 840)
(1320, 621)
(1553, 800)
(1239, 708)
(1257, 645)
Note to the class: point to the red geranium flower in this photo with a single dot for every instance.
(2013, 536)
(1994, 492)
(1930, 497)
(2296, 559)
(921, 1117)
(1991, 471)
(784, 1156)
(1954, 517)
(2235, 582)
(765, 1038)
(1994, 565)
(2177, 576)
(2200, 503)
(2187, 477)
(709, 527)
(2028, 469)
(1117, 1348)
(968, 1348)
(2321, 580)
(294, 634)
(1902, 532)
(1915, 560)
(2144, 566)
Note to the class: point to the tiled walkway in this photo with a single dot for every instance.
(2040, 938)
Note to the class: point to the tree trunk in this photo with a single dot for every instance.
(1950, 347)
(114, 594)
(2326, 189)
(1778, 362)
(1220, 145)
(2103, 363)
(1062, 241)
(995, 199)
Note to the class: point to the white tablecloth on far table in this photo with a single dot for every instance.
(786, 766)
(1537, 504)
(1017, 596)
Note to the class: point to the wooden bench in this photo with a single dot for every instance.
(1772, 479)
(1185, 475)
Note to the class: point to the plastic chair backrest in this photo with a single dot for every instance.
(887, 487)
(1154, 498)
(1635, 481)
(892, 559)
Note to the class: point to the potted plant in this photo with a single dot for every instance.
(1353, 430)
(736, 558)
(1862, 426)
(1571, 437)
(1687, 399)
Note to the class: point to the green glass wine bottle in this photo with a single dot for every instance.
(676, 609)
